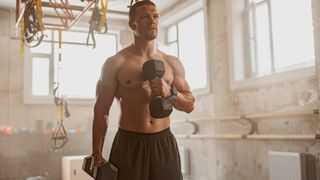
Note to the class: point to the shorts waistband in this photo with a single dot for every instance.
(144, 136)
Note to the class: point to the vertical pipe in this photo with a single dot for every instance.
(17, 9)
(273, 67)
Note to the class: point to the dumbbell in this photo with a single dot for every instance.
(102, 171)
(159, 107)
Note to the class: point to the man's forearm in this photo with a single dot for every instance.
(99, 130)
(184, 102)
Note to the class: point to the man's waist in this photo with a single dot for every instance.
(138, 136)
(144, 125)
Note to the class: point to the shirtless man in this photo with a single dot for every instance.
(144, 147)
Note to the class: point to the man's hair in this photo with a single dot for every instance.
(133, 8)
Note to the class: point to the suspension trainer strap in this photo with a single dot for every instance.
(39, 15)
(103, 19)
(22, 38)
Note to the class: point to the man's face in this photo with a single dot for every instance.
(146, 22)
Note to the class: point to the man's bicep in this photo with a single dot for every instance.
(180, 81)
(181, 84)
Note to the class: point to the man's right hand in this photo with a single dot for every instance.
(97, 160)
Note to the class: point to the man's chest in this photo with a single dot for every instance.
(130, 74)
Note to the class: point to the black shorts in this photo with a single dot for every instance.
(146, 156)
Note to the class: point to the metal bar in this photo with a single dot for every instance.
(60, 6)
(208, 119)
(314, 112)
(67, 3)
(54, 17)
(252, 137)
(220, 118)
(50, 24)
(80, 15)
(69, 42)
(63, 42)
(57, 12)
(273, 67)
(20, 18)
(55, 29)
(255, 35)
(282, 137)
(66, 12)
(211, 136)
(17, 9)
(283, 114)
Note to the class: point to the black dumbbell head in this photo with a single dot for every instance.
(160, 108)
(105, 171)
(153, 68)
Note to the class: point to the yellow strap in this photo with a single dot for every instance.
(22, 38)
(59, 112)
(39, 15)
(60, 39)
(104, 8)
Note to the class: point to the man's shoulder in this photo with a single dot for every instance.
(113, 62)
(167, 57)
(118, 58)
(173, 61)
(122, 54)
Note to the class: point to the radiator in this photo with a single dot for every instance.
(184, 156)
(291, 166)
(72, 168)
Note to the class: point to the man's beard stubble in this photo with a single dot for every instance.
(151, 36)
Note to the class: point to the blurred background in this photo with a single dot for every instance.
(253, 66)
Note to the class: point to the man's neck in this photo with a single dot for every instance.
(144, 47)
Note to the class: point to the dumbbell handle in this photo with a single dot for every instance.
(87, 165)
(101, 171)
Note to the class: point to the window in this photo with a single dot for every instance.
(80, 68)
(192, 49)
(40, 76)
(77, 69)
(280, 35)
(186, 40)
(275, 36)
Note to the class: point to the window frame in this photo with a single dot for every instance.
(238, 27)
(179, 14)
(28, 98)
(254, 6)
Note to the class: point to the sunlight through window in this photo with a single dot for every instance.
(81, 65)
(40, 76)
(186, 40)
(280, 35)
